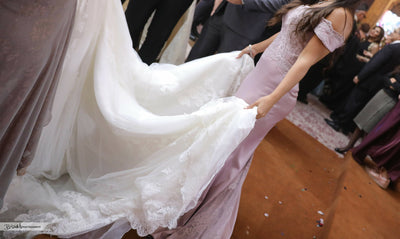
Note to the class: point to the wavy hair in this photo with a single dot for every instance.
(378, 38)
(314, 15)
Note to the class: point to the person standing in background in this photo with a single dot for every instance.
(376, 109)
(361, 14)
(343, 66)
(368, 82)
(234, 25)
(201, 14)
(166, 14)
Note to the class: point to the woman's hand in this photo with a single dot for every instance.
(237, 2)
(392, 81)
(368, 54)
(362, 58)
(356, 80)
(251, 50)
(263, 104)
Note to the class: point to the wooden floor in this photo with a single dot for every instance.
(293, 178)
(294, 181)
(301, 177)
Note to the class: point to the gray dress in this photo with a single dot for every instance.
(374, 111)
(33, 40)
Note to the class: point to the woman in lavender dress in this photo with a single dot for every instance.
(309, 33)
(157, 148)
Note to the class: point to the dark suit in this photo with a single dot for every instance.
(381, 64)
(167, 14)
(232, 27)
(370, 82)
(340, 77)
(201, 14)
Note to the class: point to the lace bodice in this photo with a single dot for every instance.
(287, 46)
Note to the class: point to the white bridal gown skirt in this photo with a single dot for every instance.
(128, 142)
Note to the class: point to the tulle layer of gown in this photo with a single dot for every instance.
(128, 141)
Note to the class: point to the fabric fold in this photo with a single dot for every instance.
(128, 142)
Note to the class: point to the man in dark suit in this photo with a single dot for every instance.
(166, 16)
(342, 72)
(233, 27)
(201, 14)
(368, 82)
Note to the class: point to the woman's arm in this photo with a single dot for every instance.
(362, 58)
(257, 48)
(368, 54)
(311, 54)
(374, 49)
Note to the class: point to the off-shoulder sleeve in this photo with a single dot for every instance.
(329, 37)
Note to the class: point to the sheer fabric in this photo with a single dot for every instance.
(128, 142)
(31, 57)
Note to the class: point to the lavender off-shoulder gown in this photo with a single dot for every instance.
(215, 215)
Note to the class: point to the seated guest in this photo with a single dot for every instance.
(368, 83)
(375, 109)
(380, 151)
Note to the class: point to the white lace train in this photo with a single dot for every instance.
(126, 140)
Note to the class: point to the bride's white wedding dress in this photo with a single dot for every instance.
(127, 141)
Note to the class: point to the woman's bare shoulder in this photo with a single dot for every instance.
(342, 21)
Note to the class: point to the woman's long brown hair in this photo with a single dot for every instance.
(378, 38)
(314, 15)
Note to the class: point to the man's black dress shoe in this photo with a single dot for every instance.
(333, 124)
(194, 34)
(302, 100)
(192, 37)
(345, 131)
(341, 151)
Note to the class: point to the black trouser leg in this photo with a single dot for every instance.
(168, 13)
(202, 12)
(357, 99)
(231, 41)
(209, 39)
(137, 13)
(311, 80)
